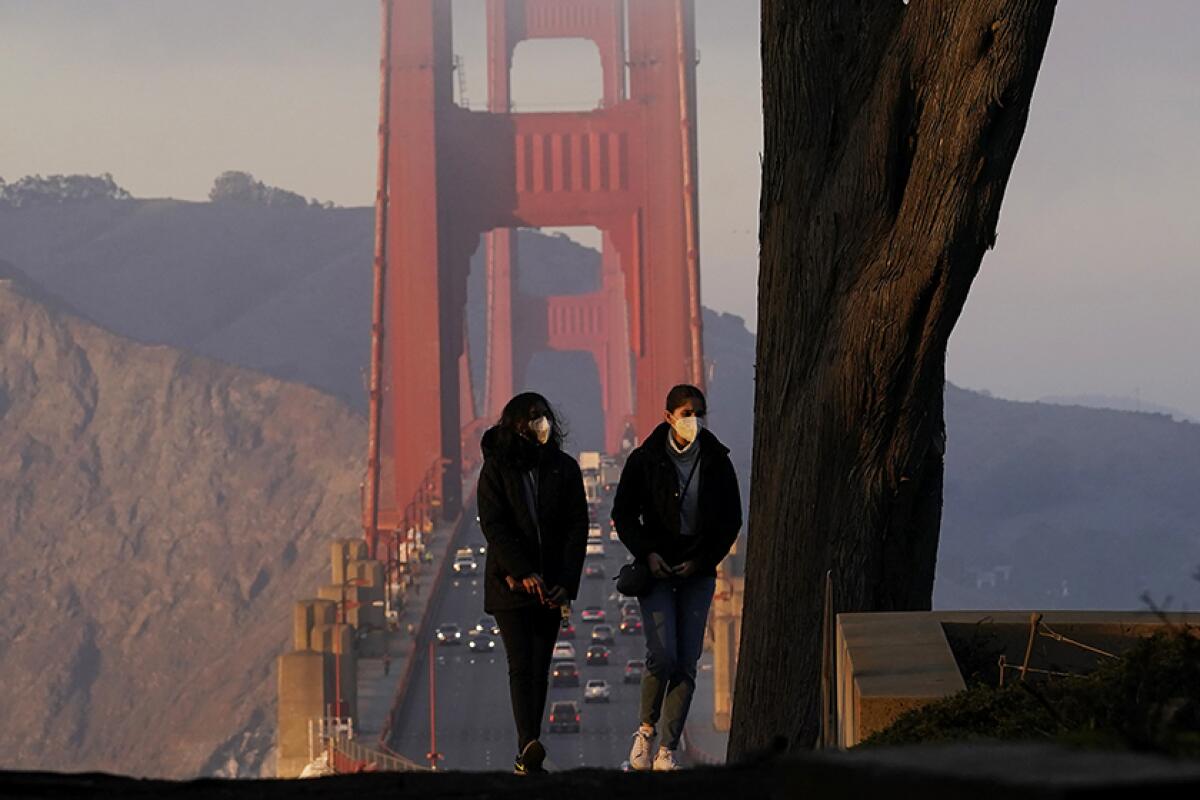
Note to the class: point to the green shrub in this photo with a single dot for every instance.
(1148, 699)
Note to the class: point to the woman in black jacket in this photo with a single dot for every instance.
(678, 510)
(533, 513)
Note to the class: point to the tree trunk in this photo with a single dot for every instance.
(891, 130)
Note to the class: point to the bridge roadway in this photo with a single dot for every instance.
(474, 721)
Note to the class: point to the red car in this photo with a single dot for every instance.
(567, 632)
(631, 624)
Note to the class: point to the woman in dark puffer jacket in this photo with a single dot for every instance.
(533, 513)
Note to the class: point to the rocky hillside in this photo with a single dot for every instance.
(159, 512)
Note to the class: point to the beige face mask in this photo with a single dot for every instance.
(541, 429)
(688, 428)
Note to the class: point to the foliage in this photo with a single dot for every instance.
(241, 188)
(35, 190)
(1148, 700)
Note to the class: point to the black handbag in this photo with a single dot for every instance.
(634, 579)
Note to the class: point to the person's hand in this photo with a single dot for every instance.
(556, 596)
(658, 567)
(686, 569)
(535, 586)
(514, 585)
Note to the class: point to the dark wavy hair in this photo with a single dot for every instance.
(518, 413)
(682, 393)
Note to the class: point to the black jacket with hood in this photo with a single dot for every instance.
(515, 545)
(646, 508)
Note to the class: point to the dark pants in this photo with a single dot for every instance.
(674, 615)
(529, 635)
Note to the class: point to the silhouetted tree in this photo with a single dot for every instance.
(242, 188)
(34, 190)
(891, 130)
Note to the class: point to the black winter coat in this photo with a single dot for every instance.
(646, 508)
(514, 546)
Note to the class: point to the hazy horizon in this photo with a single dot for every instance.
(1090, 290)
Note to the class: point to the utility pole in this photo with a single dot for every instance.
(433, 755)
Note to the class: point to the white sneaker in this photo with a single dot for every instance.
(639, 754)
(665, 760)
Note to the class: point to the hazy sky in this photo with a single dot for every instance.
(1092, 287)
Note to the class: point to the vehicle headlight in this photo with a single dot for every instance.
(457, 635)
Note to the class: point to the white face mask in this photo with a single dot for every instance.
(541, 429)
(688, 428)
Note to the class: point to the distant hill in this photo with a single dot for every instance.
(1064, 507)
(159, 514)
(1116, 403)
(287, 291)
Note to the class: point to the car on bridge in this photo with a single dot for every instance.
(481, 643)
(631, 624)
(593, 614)
(563, 651)
(464, 562)
(602, 634)
(597, 691)
(564, 717)
(613, 536)
(595, 533)
(598, 655)
(567, 631)
(634, 668)
(487, 625)
(594, 571)
(565, 673)
(448, 633)
(594, 550)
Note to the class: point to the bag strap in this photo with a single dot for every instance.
(692, 474)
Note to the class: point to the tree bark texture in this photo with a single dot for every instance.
(891, 130)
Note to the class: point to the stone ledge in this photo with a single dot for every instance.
(981, 772)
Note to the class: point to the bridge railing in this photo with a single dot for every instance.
(332, 739)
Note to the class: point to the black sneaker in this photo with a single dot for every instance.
(531, 759)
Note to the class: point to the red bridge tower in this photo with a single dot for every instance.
(627, 168)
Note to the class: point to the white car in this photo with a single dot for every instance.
(464, 561)
(597, 691)
(563, 651)
(594, 549)
(595, 534)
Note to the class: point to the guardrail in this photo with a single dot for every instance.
(422, 633)
(350, 756)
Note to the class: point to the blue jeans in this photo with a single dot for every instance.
(674, 615)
